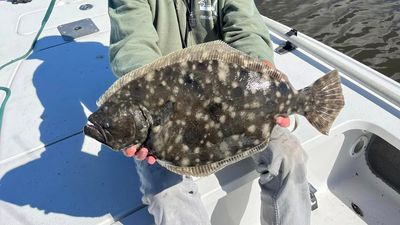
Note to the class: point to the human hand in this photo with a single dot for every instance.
(283, 121)
(141, 154)
(269, 64)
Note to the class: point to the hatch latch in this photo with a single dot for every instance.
(76, 29)
(292, 32)
(287, 46)
(314, 202)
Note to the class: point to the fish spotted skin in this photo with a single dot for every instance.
(219, 109)
(208, 106)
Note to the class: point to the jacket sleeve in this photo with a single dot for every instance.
(244, 29)
(133, 41)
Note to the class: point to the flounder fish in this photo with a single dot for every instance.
(202, 108)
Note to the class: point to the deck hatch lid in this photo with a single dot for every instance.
(383, 159)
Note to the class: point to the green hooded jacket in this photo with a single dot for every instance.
(143, 30)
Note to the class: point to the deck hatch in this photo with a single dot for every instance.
(384, 161)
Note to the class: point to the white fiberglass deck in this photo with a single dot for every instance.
(51, 174)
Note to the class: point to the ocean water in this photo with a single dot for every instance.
(366, 30)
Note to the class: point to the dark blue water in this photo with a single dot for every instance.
(366, 30)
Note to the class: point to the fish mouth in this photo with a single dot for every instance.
(94, 130)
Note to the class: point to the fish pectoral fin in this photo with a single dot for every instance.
(162, 115)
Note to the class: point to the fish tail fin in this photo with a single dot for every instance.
(322, 101)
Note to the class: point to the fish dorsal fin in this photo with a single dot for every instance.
(215, 50)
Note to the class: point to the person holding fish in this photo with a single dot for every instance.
(142, 32)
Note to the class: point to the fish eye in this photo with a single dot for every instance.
(107, 125)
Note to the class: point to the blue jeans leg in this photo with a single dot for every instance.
(285, 198)
(172, 199)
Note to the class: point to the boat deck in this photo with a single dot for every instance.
(50, 173)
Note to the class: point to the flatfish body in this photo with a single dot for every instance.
(210, 105)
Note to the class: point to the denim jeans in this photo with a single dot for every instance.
(285, 199)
